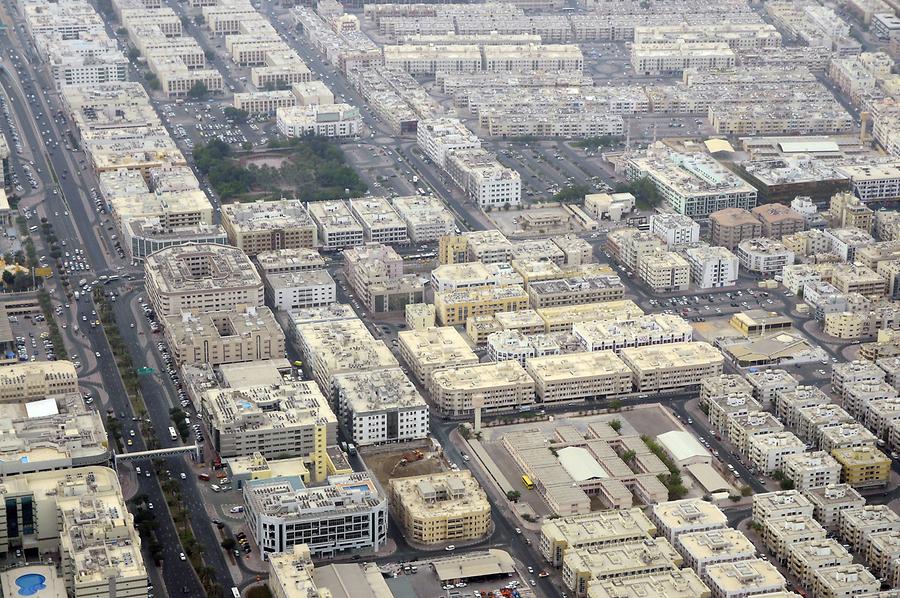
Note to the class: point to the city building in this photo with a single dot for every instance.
(682, 583)
(780, 534)
(292, 574)
(664, 271)
(830, 500)
(675, 229)
(322, 120)
(427, 218)
(778, 220)
(863, 466)
(599, 528)
(768, 383)
(811, 470)
(37, 380)
(575, 290)
(705, 548)
(442, 507)
(712, 267)
(616, 334)
(262, 226)
(676, 365)
(845, 242)
(217, 337)
(81, 516)
(844, 581)
(347, 514)
(201, 278)
(380, 222)
(419, 316)
(578, 376)
(629, 245)
(288, 291)
(730, 226)
(500, 387)
(677, 517)
(768, 452)
(744, 578)
(337, 227)
(858, 526)
(769, 506)
(724, 407)
(854, 278)
(764, 256)
(455, 307)
(806, 558)
(380, 406)
(430, 349)
(584, 565)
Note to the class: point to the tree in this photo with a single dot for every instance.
(199, 20)
(628, 456)
(198, 90)
(513, 495)
(615, 404)
(22, 281)
(571, 193)
(615, 425)
(228, 544)
(644, 192)
(247, 146)
(8, 278)
(235, 114)
(133, 54)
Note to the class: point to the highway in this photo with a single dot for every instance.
(80, 226)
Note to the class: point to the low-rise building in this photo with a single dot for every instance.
(455, 307)
(744, 578)
(664, 271)
(863, 466)
(280, 261)
(218, 337)
(288, 291)
(813, 420)
(579, 376)
(322, 120)
(584, 565)
(675, 229)
(859, 395)
(778, 220)
(335, 224)
(347, 514)
(499, 387)
(858, 526)
(844, 436)
(575, 290)
(677, 517)
(722, 385)
(730, 226)
(880, 415)
(380, 406)
(783, 503)
(427, 218)
(426, 351)
(380, 222)
(789, 402)
(884, 547)
(844, 581)
(599, 528)
(854, 278)
(768, 452)
(677, 365)
(37, 380)
(811, 470)
(741, 428)
(712, 267)
(722, 408)
(702, 549)
(269, 225)
(848, 372)
(806, 558)
(780, 534)
(614, 335)
(764, 256)
(442, 507)
(830, 500)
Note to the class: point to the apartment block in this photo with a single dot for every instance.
(863, 466)
(288, 291)
(858, 526)
(584, 565)
(380, 222)
(682, 583)
(722, 385)
(769, 506)
(269, 226)
(37, 380)
(722, 408)
(768, 452)
(579, 376)
(881, 556)
(380, 406)
(844, 581)
(628, 246)
(858, 396)
(712, 267)
(443, 507)
(455, 307)
(665, 271)
(427, 218)
(830, 501)
(744, 578)
(844, 436)
(764, 256)
(778, 220)
(575, 290)
(784, 532)
(789, 402)
(428, 350)
(675, 229)
(201, 278)
(598, 528)
(880, 415)
(702, 549)
(677, 517)
(336, 226)
(217, 337)
(806, 558)
(496, 387)
(811, 470)
(677, 365)
(730, 226)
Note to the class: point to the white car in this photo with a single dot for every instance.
(181, 556)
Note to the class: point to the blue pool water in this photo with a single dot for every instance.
(360, 488)
(30, 584)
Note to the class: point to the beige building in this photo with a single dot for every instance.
(81, 517)
(778, 220)
(583, 565)
(677, 517)
(282, 261)
(853, 278)
(455, 307)
(723, 408)
(682, 583)
(498, 387)
(769, 452)
(578, 376)
(575, 290)
(863, 466)
(858, 526)
(37, 380)
(419, 316)
(677, 365)
(702, 549)
(616, 334)
(442, 507)
(629, 245)
(806, 558)
(269, 225)
(201, 278)
(733, 225)
(665, 271)
(599, 528)
(784, 503)
(292, 575)
(428, 350)
(830, 501)
(781, 533)
(233, 336)
(844, 581)
(560, 319)
(744, 578)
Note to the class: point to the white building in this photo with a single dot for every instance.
(488, 183)
(380, 406)
(328, 120)
(675, 229)
(712, 267)
(442, 135)
(764, 256)
(292, 290)
(427, 218)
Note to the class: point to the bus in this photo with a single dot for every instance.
(527, 481)
(236, 593)
(173, 434)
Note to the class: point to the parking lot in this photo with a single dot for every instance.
(32, 339)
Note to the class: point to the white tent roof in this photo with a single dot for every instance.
(41, 408)
(580, 464)
(682, 445)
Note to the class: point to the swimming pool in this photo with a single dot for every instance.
(30, 584)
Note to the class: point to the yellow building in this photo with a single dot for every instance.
(452, 249)
(455, 307)
(758, 321)
(441, 507)
(559, 319)
(863, 466)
